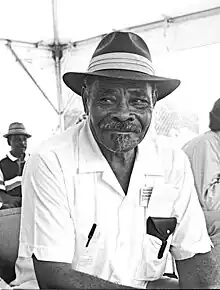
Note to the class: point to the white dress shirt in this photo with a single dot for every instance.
(68, 186)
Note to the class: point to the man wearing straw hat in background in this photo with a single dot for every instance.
(105, 202)
(11, 166)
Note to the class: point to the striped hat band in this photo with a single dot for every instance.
(121, 60)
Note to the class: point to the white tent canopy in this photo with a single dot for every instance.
(32, 20)
(41, 39)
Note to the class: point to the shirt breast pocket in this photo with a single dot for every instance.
(152, 267)
(90, 256)
(155, 248)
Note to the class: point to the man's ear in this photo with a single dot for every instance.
(155, 95)
(84, 95)
(9, 141)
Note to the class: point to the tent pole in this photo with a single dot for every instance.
(31, 77)
(57, 54)
(151, 25)
(20, 43)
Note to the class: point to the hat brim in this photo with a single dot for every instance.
(10, 134)
(165, 86)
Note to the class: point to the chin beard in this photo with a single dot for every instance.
(123, 143)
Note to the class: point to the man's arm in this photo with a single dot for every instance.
(191, 245)
(9, 201)
(4, 197)
(54, 275)
(197, 272)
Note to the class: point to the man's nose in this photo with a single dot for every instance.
(123, 113)
(23, 142)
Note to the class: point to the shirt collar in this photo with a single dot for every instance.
(13, 158)
(91, 158)
(148, 157)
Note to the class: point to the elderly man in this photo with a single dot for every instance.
(11, 167)
(104, 202)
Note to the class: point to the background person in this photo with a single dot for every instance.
(11, 166)
(204, 156)
(203, 152)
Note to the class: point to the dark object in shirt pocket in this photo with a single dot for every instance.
(161, 228)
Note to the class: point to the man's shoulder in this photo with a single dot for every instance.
(170, 157)
(56, 153)
(173, 159)
(59, 142)
(200, 140)
(168, 149)
(5, 160)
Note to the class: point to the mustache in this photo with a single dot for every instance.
(125, 126)
(22, 147)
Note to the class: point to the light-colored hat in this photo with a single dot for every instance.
(122, 55)
(15, 129)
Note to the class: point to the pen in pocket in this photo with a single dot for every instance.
(91, 233)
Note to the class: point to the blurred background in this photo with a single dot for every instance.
(42, 39)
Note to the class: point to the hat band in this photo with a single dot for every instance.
(120, 60)
(17, 131)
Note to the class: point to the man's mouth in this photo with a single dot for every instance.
(120, 127)
(122, 133)
(22, 148)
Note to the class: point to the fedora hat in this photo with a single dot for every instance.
(15, 129)
(122, 55)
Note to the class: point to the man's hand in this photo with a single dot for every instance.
(9, 201)
(13, 201)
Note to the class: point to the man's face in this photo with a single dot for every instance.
(18, 143)
(119, 113)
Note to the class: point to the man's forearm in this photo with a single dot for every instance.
(5, 197)
(193, 274)
(53, 275)
(79, 280)
(8, 200)
(212, 198)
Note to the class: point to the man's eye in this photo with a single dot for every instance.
(106, 100)
(140, 102)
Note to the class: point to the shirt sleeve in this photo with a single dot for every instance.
(47, 230)
(191, 236)
(2, 182)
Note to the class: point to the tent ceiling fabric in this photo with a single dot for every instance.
(32, 20)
